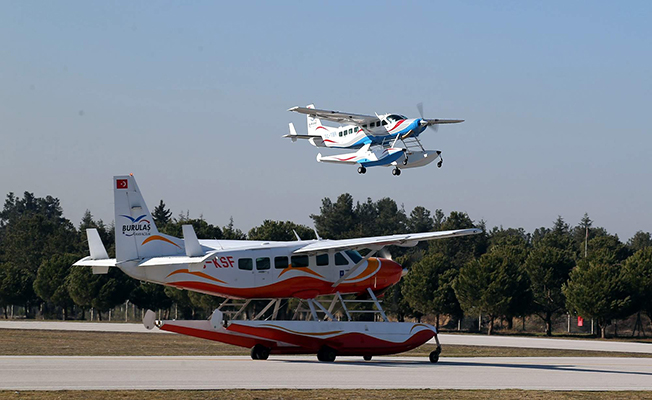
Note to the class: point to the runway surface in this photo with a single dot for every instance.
(461, 339)
(75, 373)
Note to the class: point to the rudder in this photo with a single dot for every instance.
(136, 235)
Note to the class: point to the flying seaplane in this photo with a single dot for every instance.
(381, 140)
(312, 271)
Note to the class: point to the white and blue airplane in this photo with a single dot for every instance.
(376, 138)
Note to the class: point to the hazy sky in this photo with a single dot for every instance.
(192, 96)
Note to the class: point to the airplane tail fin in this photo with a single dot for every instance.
(136, 235)
(313, 122)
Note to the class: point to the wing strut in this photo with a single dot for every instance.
(356, 266)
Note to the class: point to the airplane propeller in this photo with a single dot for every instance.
(423, 122)
(384, 253)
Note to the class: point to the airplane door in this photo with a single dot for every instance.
(263, 274)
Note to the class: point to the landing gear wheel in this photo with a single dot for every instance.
(367, 358)
(441, 161)
(434, 356)
(326, 354)
(396, 171)
(259, 352)
(405, 160)
(362, 170)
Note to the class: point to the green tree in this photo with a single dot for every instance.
(639, 241)
(638, 271)
(161, 215)
(336, 220)
(600, 291)
(229, 232)
(463, 249)
(50, 283)
(428, 287)
(16, 286)
(420, 220)
(150, 296)
(280, 231)
(495, 284)
(548, 269)
(203, 229)
(607, 249)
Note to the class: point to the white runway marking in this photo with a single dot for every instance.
(554, 373)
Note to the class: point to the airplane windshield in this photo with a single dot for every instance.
(395, 117)
(353, 255)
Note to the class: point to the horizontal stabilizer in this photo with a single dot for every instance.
(89, 262)
(178, 260)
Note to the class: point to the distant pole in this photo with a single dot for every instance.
(586, 243)
(568, 322)
(592, 332)
(127, 311)
(479, 322)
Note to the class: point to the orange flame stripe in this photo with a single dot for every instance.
(199, 274)
(157, 237)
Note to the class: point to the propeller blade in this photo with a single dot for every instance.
(384, 253)
(420, 108)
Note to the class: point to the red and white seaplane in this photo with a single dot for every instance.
(321, 274)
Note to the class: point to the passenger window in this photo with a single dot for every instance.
(280, 262)
(262, 263)
(384, 122)
(300, 261)
(340, 259)
(364, 126)
(350, 131)
(340, 134)
(246, 264)
(355, 129)
(322, 260)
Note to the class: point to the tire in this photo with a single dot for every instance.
(367, 358)
(326, 354)
(434, 356)
(259, 352)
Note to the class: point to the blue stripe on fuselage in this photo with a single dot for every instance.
(385, 138)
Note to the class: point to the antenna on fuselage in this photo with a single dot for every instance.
(297, 235)
(316, 234)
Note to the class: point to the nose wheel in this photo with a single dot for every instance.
(396, 171)
(362, 169)
(441, 160)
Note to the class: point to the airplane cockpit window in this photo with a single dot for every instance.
(353, 255)
(340, 259)
(395, 117)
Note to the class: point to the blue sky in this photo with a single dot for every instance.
(192, 98)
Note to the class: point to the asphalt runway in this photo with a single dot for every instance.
(98, 373)
(461, 339)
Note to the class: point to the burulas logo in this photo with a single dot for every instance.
(138, 226)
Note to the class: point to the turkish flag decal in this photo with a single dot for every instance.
(121, 184)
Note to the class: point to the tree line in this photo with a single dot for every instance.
(501, 273)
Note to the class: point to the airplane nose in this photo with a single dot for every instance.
(404, 272)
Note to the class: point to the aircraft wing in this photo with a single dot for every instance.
(378, 242)
(335, 116)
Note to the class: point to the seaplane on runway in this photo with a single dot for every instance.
(376, 137)
(309, 270)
